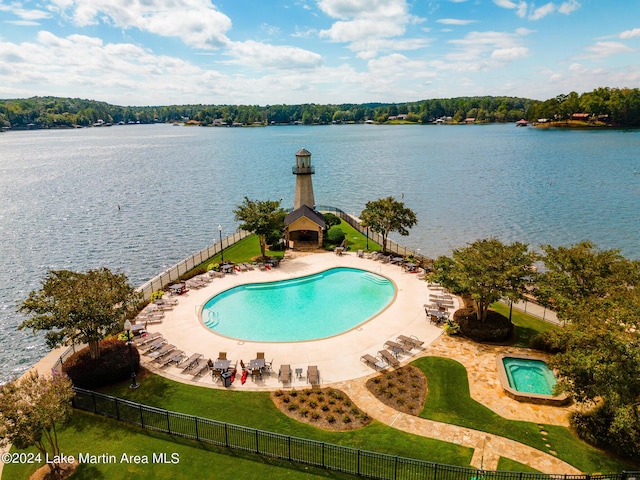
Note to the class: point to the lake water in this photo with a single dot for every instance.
(140, 198)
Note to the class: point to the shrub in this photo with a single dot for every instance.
(330, 220)
(335, 235)
(113, 365)
(325, 408)
(547, 342)
(313, 404)
(293, 393)
(495, 328)
(598, 426)
(346, 419)
(292, 406)
(157, 295)
(304, 412)
(315, 415)
(331, 419)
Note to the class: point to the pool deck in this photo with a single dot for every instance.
(337, 357)
(338, 360)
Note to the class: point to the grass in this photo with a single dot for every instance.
(96, 435)
(356, 240)
(257, 410)
(526, 326)
(508, 465)
(448, 400)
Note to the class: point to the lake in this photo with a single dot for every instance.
(140, 198)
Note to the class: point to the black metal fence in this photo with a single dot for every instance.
(300, 450)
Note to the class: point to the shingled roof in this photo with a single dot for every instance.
(305, 211)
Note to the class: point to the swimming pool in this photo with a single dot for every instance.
(299, 309)
(529, 375)
(528, 379)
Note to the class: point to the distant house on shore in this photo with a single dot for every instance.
(470, 120)
(580, 116)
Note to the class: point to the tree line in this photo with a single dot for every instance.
(620, 107)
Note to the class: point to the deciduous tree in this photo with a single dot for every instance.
(31, 409)
(388, 215)
(81, 307)
(265, 218)
(573, 274)
(487, 270)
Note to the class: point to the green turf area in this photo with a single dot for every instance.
(256, 410)
(448, 401)
(506, 464)
(527, 326)
(94, 435)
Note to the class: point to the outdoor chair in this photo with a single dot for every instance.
(222, 356)
(411, 342)
(284, 374)
(373, 362)
(313, 376)
(260, 355)
(387, 357)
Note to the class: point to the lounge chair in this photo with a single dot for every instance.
(190, 362)
(161, 352)
(174, 356)
(284, 374)
(256, 372)
(313, 376)
(374, 362)
(360, 254)
(387, 357)
(396, 348)
(155, 345)
(411, 342)
(201, 368)
(142, 341)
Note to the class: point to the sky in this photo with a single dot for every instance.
(265, 52)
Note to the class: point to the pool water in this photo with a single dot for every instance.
(530, 376)
(300, 309)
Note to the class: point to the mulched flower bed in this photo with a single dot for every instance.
(325, 408)
(404, 389)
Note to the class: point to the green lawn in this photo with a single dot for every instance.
(527, 326)
(96, 435)
(256, 410)
(357, 241)
(448, 401)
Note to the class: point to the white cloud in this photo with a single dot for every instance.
(569, 6)
(196, 22)
(25, 15)
(509, 54)
(630, 33)
(345, 9)
(520, 7)
(363, 28)
(543, 11)
(607, 49)
(455, 21)
(257, 54)
(362, 23)
(485, 50)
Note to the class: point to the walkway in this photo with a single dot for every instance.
(488, 448)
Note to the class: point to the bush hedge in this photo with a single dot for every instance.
(335, 236)
(496, 328)
(113, 365)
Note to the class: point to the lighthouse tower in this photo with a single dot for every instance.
(304, 187)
